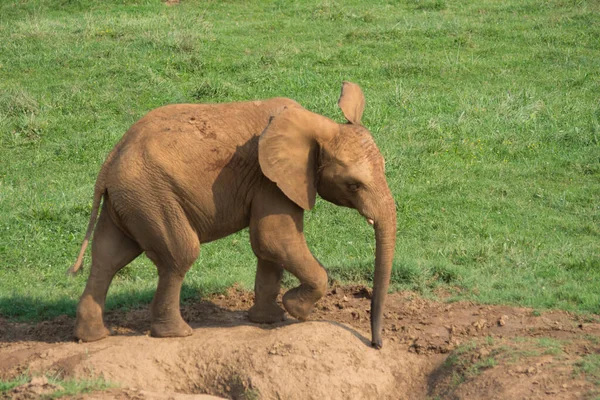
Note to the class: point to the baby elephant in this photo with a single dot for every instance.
(187, 174)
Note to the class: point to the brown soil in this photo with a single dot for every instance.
(431, 350)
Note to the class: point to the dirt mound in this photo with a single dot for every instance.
(309, 360)
(448, 350)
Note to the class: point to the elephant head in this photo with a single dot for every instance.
(305, 153)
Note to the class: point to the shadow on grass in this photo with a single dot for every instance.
(24, 308)
(130, 316)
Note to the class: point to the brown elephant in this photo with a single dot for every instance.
(187, 174)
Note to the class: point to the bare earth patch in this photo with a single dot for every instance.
(431, 349)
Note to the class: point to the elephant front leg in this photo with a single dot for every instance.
(300, 300)
(276, 234)
(266, 288)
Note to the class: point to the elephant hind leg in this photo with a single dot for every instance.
(111, 251)
(166, 315)
(173, 246)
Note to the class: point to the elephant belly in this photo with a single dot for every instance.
(208, 232)
(213, 220)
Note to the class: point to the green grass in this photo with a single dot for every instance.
(70, 387)
(487, 113)
(525, 347)
(5, 386)
(462, 365)
(589, 366)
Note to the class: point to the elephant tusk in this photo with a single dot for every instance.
(370, 221)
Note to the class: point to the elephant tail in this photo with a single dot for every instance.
(99, 190)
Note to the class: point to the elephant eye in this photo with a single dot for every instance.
(353, 187)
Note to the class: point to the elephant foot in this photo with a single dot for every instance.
(296, 304)
(89, 325)
(170, 328)
(90, 332)
(266, 313)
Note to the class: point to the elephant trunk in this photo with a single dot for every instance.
(385, 243)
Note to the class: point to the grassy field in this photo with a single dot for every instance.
(488, 114)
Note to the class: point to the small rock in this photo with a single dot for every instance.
(484, 353)
(557, 326)
(480, 324)
(39, 380)
(502, 320)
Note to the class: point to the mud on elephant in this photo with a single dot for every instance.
(188, 174)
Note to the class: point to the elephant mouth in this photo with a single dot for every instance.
(369, 220)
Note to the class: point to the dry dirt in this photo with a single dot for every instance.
(431, 350)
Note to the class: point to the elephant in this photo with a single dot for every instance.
(186, 174)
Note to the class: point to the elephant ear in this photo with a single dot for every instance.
(288, 151)
(352, 102)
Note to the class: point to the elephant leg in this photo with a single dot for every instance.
(173, 248)
(266, 288)
(300, 300)
(276, 233)
(166, 314)
(111, 251)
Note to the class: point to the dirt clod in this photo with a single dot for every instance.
(502, 320)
